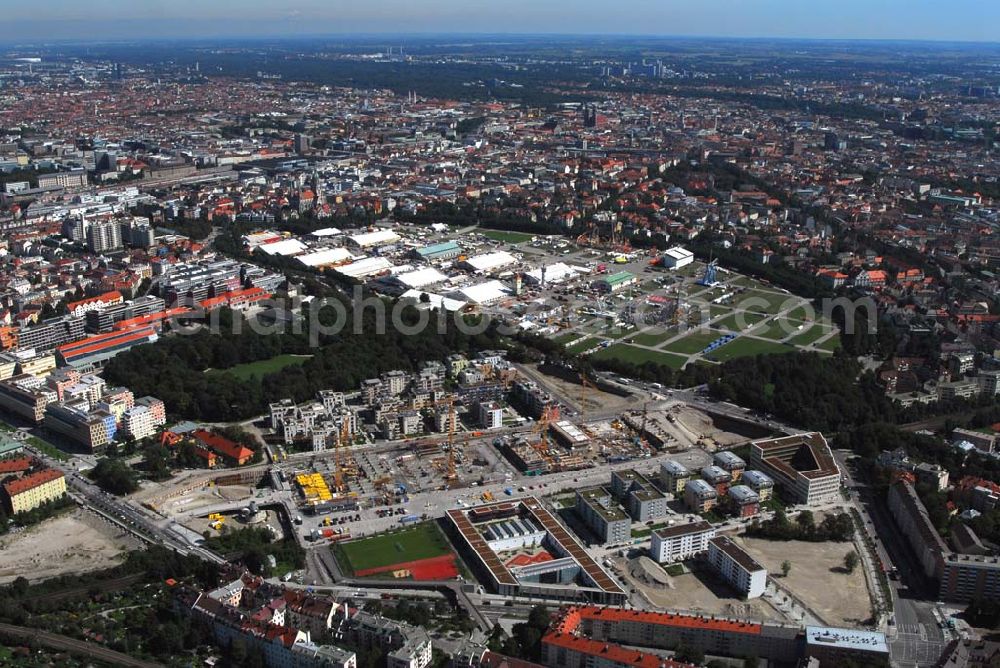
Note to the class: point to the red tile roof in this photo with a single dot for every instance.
(21, 485)
(222, 445)
(608, 652)
(15, 464)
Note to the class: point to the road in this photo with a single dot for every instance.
(915, 637)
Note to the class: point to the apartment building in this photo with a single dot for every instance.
(674, 476)
(743, 501)
(699, 496)
(736, 567)
(138, 422)
(596, 507)
(961, 577)
(490, 415)
(638, 495)
(731, 463)
(802, 465)
(680, 542)
(717, 477)
(33, 489)
(759, 482)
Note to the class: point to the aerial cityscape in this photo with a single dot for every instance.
(404, 336)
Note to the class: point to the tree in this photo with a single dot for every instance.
(689, 654)
(786, 568)
(114, 476)
(851, 561)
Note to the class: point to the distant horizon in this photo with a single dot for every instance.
(962, 21)
(369, 36)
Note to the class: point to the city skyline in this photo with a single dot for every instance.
(778, 19)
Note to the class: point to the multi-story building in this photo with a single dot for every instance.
(91, 429)
(681, 541)
(51, 333)
(837, 647)
(802, 465)
(717, 477)
(674, 476)
(743, 501)
(490, 415)
(25, 396)
(33, 489)
(737, 567)
(596, 507)
(638, 495)
(405, 646)
(731, 463)
(960, 577)
(137, 422)
(103, 236)
(759, 482)
(699, 496)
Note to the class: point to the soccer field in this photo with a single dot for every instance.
(421, 541)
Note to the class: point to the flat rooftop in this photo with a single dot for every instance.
(534, 509)
(737, 554)
(869, 641)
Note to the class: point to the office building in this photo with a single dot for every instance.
(802, 465)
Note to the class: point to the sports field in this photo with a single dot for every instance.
(746, 347)
(263, 367)
(403, 546)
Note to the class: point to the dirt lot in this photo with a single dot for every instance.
(816, 577)
(73, 543)
(203, 497)
(699, 593)
(700, 426)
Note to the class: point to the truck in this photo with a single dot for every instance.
(409, 519)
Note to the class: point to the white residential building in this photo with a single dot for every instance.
(737, 567)
(680, 542)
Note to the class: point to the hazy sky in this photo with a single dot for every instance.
(975, 20)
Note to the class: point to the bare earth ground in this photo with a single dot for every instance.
(700, 425)
(699, 594)
(203, 497)
(72, 543)
(837, 597)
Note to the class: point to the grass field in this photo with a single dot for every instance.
(693, 343)
(635, 355)
(733, 321)
(831, 344)
(652, 338)
(421, 541)
(763, 302)
(778, 329)
(263, 367)
(585, 344)
(506, 237)
(745, 347)
(810, 335)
